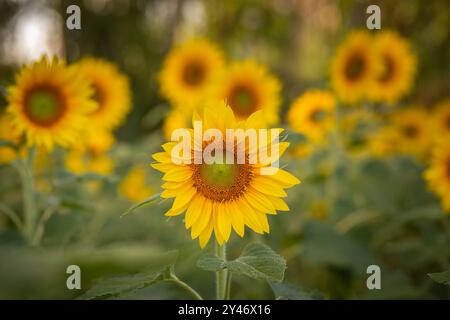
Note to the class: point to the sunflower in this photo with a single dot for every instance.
(189, 70)
(90, 153)
(410, 133)
(312, 114)
(49, 103)
(111, 92)
(353, 67)
(441, 119)
(438, 173)
(133, 186)
(398, 68)
(248, 87)
(221, 197)
(8, 152)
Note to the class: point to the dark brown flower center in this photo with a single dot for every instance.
(318, 115)
(44, 105)
(243, 100)
(99, 97)
(194, 73)
(389, 69)
(354, 69)
(220, 181)
(410, 131)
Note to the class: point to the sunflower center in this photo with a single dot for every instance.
(410, 131)
(389, 69)
(222, 182)
(447, 122)
(43, 106)
(354, 68)
(98, 97)
(243, 100)
(194, 73)
(318, 115)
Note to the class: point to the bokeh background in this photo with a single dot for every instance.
(351, 210)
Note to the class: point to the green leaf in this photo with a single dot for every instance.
(441, 277)
(140, 204)
(287, 291)
(210, 262)
(117, 285)
(257, 261)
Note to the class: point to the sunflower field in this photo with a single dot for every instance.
(94, 204)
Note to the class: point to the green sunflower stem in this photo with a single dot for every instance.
(26, 171)
(223, 277)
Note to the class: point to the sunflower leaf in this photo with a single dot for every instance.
(257, 261)
(117, 285)
(210, 262)
(441, 277)
(140, 204)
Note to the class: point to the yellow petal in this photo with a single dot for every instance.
(284, 178)
(194, 210)
(278, 203)
(223, 221)
(180, 174)
(182, 199)
(259, 201)
(267, 187)
(249, 215)
(206, 234)
(203, 219)
(237, 221)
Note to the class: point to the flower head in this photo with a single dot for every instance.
(111, 92)
(312, 114)
(438, 173)
(248, 87)
(219, 196)
(188, 71)
(49, 103)
(398, 68)
(354, 67)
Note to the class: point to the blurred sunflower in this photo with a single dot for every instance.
(176, 119)
(49, 103)
(312, 114)
(411, 131)
(438, 173)
(248, 87)
(398, 68)
(111, 92)
(441, 119)
(8, 153)
(354, 66)
(189, 70)
(219, 197)
(90, 154)
(134, 187)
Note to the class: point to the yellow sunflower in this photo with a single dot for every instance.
(441, 119)
(90, 154)
(134, 187)
(438, 173)
(354, 67)
(411, 131)
(398, 67)
(221, 197)
(8, 153)
(312, 114)
(49, 103)
(248, 87)
(111, 92)
(189, 70)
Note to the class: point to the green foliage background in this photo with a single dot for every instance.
(380, 210)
